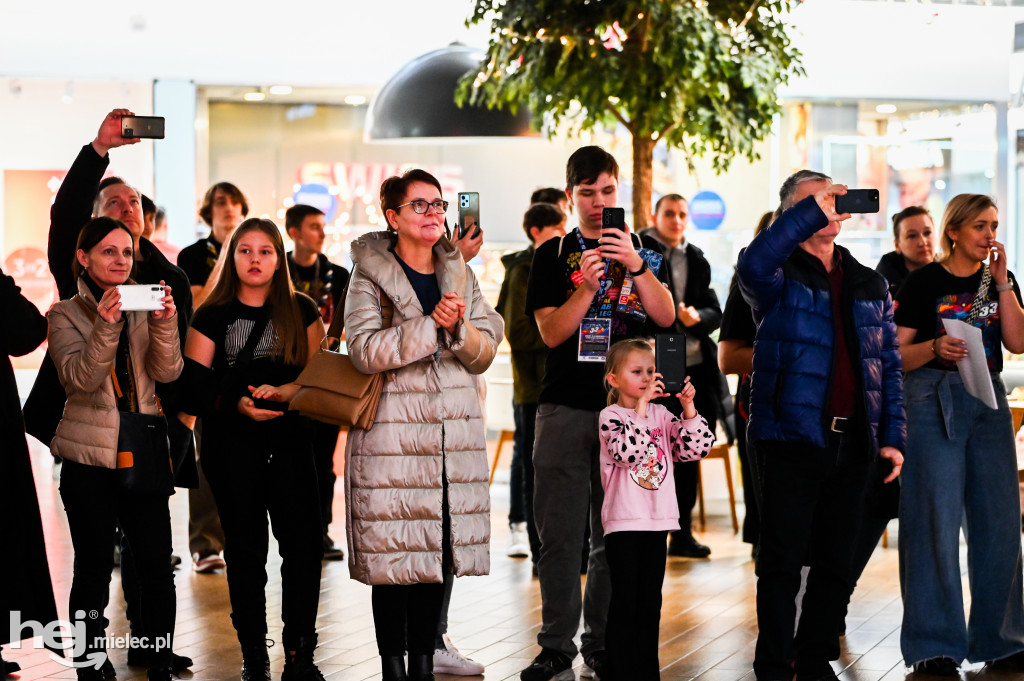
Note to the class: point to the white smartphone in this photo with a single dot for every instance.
(141, 297)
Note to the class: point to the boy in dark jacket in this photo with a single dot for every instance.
(542, 221)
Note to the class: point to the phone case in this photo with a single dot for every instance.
(613, 218)
(141, 297)
(469, 213)
(148, 127)
(670, 360)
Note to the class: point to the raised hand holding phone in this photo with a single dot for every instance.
(109, 134)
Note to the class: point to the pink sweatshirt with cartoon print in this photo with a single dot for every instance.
(636, 465)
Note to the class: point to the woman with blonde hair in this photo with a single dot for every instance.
(960, 460)
(249, 341)
(416, 482)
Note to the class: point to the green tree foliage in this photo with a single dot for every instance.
(700, 75)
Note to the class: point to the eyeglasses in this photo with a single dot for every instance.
(420, 206)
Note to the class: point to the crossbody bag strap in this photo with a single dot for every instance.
(387, 313)
(986, 280)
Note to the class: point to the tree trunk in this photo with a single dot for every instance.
(643, 168)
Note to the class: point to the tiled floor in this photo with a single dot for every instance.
(708, 626)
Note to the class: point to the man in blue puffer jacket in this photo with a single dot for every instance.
(826, 415)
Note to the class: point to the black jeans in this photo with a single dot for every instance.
(94, 506)
(522, 482)
(812, 497)
(325, 441)
(404, 612)
(251, 477)
(636, 561)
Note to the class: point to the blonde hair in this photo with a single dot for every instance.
(960, 210)
(617, 355)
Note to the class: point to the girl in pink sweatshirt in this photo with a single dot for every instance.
(639, 441)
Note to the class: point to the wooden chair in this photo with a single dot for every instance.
(503, 437)
(722, 452)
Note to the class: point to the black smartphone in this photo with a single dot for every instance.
(857, 201)
(670, 360)
(613, 218)
(469, 213)
(150, 127)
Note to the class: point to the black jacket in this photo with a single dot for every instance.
(893, 266)
(71, 210)
(24, 573)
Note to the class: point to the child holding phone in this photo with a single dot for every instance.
(639, 441)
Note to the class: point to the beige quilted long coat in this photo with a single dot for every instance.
(428, 423)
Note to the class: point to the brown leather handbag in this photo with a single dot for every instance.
(333, 390)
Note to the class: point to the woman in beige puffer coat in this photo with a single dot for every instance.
(416, 483)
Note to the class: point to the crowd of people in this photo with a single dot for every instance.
(851, 410)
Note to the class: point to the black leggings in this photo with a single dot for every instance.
(636, 561)
(404, 612)
(250, 479)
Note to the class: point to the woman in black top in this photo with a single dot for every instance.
(914, 234)
(960, 460)
(249, 340)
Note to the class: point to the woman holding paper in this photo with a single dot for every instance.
(960, 460)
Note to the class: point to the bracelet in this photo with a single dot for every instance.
(643, 268)
(1008, 286)
(934, 353)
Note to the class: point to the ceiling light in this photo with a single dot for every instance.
(256, 96)
(886, 108)
(280, 89)
(355, 100)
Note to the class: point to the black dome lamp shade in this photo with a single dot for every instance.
(418, 103)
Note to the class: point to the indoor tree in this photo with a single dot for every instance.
(700, 75)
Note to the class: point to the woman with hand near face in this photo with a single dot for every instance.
(109, 362)
(960, 461)
(914, 234)
(248, 342)
(416, 482)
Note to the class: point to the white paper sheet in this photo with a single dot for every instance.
(973, 368)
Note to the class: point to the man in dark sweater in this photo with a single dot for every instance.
(698, 314)
(323, 281)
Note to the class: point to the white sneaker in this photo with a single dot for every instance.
(518, 541)
(449, 660)
(586, 672)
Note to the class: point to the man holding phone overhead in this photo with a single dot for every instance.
(826, 415)
(83, 195)
(573, 294)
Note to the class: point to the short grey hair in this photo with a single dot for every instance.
(788, 189)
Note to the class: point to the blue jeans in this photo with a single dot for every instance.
(960, 460)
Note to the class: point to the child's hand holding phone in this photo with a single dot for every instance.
(685, 397)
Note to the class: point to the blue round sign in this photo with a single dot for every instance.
(318, 196)
(707, 210)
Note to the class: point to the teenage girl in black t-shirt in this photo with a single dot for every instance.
(249, 340)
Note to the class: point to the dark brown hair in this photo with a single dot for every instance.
(282, 299)
(95, 231)
(294, 216)
(541, 215)
(908, 212)
(206, 210)
(394, 189)
(109, 182)
(668, 197)
(586, 164)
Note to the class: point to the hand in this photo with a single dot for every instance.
(896, 458)
(591, 269)
(997, 262)
(688, 315)
(246, 407)
(168, 302)
(109, 134)
(449, 311)
(826, 200)
(109, 307)
(950, 349)
(685, 397)
(617, 245)
(468, 245)
(275, 393)
(654, 390)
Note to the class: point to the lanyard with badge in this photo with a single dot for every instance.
(611, 299)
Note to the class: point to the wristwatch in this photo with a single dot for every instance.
(643, 268)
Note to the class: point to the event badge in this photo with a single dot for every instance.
(595, 339)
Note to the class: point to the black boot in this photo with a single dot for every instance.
(298, 660)
(421, 667)
(255, 661)
(392, 668)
